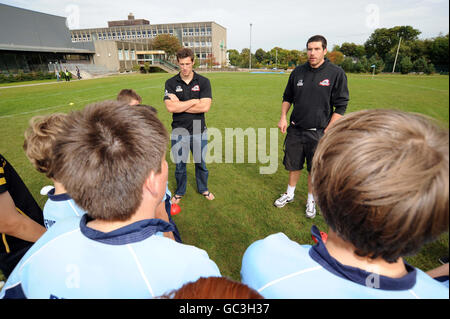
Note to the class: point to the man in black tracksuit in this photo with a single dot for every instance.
(318, 90)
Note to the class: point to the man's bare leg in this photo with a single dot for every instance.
(288, 197)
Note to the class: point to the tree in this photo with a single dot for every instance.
(439, 54)
(244, 56)
(336, 57)
(234, 57)
(348, 65)
(406, 65)
(378, 62)
(259, 55)
(166, 42)
(382, 40)
(420, 65)
(352, 50)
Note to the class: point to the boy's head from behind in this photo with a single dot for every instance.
(129, 97)
(105, 155)
(39, 138)
(380, 178)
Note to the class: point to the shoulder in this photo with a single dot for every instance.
(299, 69)
(54, 240)
(276, 244)
(172, 80)
(275, 259)
(331, 67)
(427, 287)
(201, 78)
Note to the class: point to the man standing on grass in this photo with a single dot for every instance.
(188, 96)
(318, 90)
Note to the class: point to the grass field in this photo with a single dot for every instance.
(243, 210)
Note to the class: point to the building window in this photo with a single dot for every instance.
(133, 55)
(127, 54)
(120, 53)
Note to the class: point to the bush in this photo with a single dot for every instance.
(430, 69)
(21, 76)
(420, 65)
(406, 65)
(348, 65)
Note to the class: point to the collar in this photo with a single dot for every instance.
(319, 253)
(194, 77)
(129, 234)
(320, 68)
(58, 198)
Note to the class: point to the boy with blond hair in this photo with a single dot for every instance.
(40, 136)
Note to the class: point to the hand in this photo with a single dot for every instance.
(173, 97)
(282, 125)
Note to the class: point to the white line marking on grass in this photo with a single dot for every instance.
(61, 105)
(411, 85)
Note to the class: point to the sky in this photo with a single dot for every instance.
(284, 23)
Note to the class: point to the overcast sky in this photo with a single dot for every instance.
(283, 23)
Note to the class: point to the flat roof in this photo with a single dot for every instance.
(27, 30)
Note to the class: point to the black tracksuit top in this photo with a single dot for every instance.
(314, 93)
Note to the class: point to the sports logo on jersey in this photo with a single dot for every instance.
(178, 89)
(196, 88)
(325, 82)
(300, 83)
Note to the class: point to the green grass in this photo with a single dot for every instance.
(243, 210)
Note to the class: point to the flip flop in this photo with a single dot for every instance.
(176, 199)
(208, 194)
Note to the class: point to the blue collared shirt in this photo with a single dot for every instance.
(72, 260)
(278, 267)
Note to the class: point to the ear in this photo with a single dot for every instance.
(150, 184)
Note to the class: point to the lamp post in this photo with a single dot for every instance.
(396, 55)
(250, 53)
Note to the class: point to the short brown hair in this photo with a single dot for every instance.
(128, 95)
(318, 38)
(39, 138)
(185, 53)
(214, 288)
(106, 153)
(380, 178)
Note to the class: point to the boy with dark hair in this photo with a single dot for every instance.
(188, 97)
(111, 159)
(381, 180)
(38, 146)
(129, 96)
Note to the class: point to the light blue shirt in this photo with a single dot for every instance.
(278, 267)
(72, 260)
(59, 207)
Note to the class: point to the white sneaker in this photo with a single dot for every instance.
(310, 209)
(283, 200)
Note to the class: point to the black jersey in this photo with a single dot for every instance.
(314, 93)
(12, 249)
(198, 88)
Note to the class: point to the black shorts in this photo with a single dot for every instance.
(300, 145)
